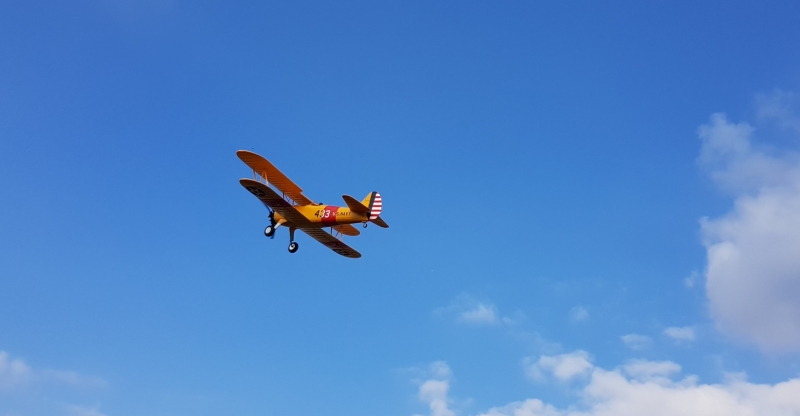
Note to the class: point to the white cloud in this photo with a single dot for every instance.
(753, 265)
(13, 373)
(469, 311)
(481, 315)
(636, 341)
(644, 370)
(647, 388)
(434, 390)
(440, 370)
(578, 313)
(779, 107)
(530, 407)
(728, 153)
(563, 367)
(685, 333)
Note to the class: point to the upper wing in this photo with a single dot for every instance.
(271, 199)
(275, 177)
(332, 242)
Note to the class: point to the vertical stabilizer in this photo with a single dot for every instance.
(375, 204)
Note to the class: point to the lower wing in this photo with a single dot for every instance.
(331, 242)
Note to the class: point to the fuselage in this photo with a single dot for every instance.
(326, 215)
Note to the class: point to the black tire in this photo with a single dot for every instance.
(293, 246)
(269, 231)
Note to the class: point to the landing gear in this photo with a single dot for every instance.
(273, 225)
(270, 230)
(365, 224)
(293, 246)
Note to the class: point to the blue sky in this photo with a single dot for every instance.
(568, 205)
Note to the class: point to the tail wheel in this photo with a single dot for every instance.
(269, 231)
(293, 246)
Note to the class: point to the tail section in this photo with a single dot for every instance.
(374, 203)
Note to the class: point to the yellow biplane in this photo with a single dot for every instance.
(288, 207)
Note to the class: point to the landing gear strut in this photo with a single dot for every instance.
(293, 246)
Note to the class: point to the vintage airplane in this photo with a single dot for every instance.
(291, 209)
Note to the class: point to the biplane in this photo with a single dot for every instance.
(289, 208)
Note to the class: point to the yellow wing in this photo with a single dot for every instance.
(332, 242)
(271, 199)
(274, 176)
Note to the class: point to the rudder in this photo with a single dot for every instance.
(375, 204)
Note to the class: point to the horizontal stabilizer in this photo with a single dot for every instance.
(380, 222)
(354, 205)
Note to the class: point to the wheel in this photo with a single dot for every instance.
(269, 231)
(293, 247)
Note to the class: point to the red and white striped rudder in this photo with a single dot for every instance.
(375, 206)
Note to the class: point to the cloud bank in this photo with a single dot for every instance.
(753, 252)
(645, 388)
(639, 387)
